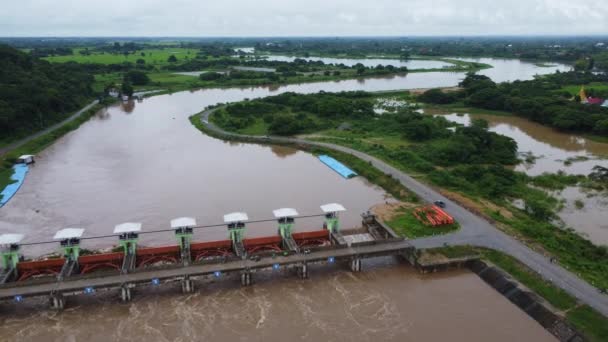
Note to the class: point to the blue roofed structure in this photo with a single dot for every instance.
(335, 165)
(19, 171)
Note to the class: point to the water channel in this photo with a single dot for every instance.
(143, 161)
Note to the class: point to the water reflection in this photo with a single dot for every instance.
(557, 151)
(554, 150)
(283, 151)
(128, 106)
(369, 62)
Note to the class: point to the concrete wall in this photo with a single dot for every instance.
(535, 306)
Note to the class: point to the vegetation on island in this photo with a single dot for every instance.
(470, 164)
(547, 100)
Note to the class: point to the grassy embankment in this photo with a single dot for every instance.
(588, 321)
(486, 190)
(40, 143)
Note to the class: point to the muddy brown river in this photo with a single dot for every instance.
(145, 162)
(386, 302)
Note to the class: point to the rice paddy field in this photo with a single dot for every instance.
(151, 56)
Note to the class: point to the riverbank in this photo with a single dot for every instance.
(473, 228)
(41, 140)
(174, 81)
(557, 311)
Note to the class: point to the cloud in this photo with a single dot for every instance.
(288, 17)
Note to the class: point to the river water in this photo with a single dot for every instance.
(387, 302)
(369, 62)
(554, 151)
(145, 162)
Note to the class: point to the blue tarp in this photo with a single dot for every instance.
(19, 172)
(337, 166)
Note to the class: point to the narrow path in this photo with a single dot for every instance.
(4, 150)
(474, 230)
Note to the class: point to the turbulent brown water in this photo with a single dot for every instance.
(145, 162)
(387, 302)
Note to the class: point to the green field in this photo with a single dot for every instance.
(151, 56)
(574, 89)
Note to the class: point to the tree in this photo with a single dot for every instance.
(35, 93)
(172, 59)
(136, 77)
(126, 89)
(490, 98)
(210, 76)
(140, 61)
(437, 96)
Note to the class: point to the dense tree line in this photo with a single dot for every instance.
(540, 100)
(291, 113)
(35, 93)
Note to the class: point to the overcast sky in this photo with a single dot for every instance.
(302, 17)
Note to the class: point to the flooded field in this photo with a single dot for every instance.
(508, 70)
(555, 151)
(387, 302)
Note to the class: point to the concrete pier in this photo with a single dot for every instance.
(187, 285)
(125, 293)
(303, 271)
(246, 278)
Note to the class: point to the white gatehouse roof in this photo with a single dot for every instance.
(332, 208)
(235, 217)
(68, 233)
(182, 222)
(127, 227)
(9, 239)
(285, 212)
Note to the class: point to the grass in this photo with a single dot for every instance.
(5, 178)
(258, 128)
(406, 224)
(559, 298)
(155, 57)
(574, 89)
(556, 181)
(590, 322)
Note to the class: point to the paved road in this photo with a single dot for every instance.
(474, 230)
(8, 148)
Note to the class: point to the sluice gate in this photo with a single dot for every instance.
(131, 266)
